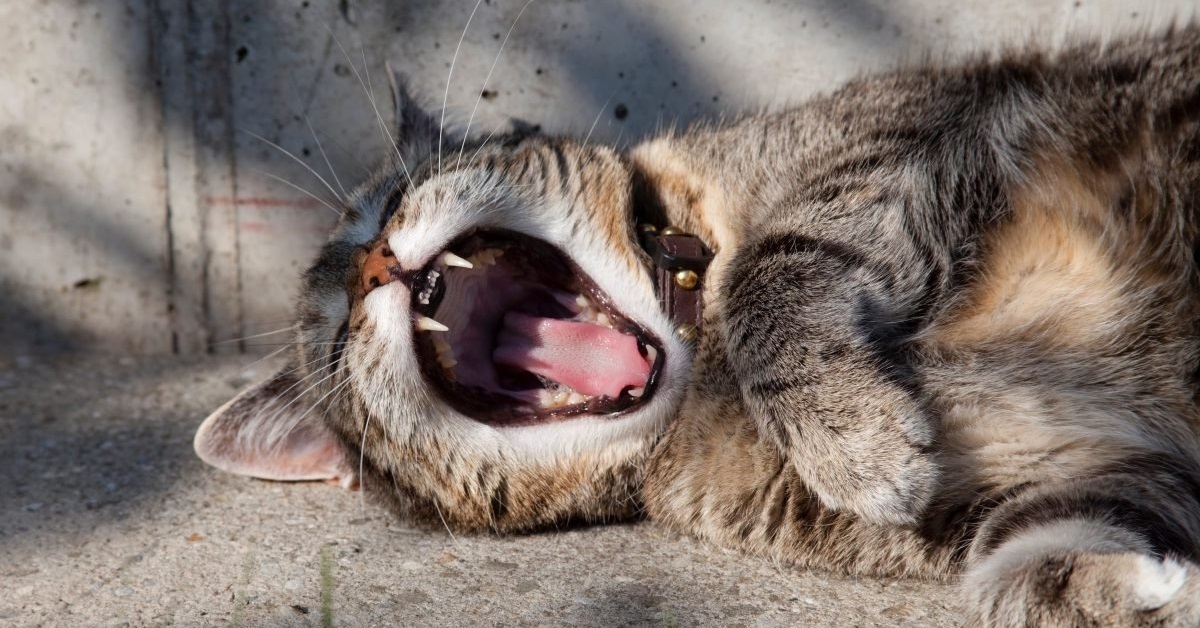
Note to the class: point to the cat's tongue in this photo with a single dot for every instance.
(591, 359)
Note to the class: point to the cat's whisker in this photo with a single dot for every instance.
(438, 508)
(371, 99)
(599, 114)
(362, 452)
(479, 97)
(301, 190)
(299, 418)
(328, 164)
(449, 76)
(299, 161)
(366, 171)
(280, 434)
(265, 333)
(387, 132)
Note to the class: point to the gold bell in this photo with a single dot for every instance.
(687, 279)
(687, 332)
(671, 231)
(648, 228)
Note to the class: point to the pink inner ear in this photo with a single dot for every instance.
(262, 433)
(309, 452)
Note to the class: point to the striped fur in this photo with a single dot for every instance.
(953, 329)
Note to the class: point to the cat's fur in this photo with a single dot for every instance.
(952, 326)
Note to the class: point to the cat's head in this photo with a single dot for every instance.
(479, 337)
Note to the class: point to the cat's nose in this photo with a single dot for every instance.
(379, 268)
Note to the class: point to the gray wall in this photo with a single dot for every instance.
(138, 213)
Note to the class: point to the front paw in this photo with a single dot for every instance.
(860, 448)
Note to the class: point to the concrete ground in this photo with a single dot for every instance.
(107, 519)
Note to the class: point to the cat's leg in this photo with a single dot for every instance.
(810, 326)
(1116, 549)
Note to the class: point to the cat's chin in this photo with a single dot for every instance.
(510, 332)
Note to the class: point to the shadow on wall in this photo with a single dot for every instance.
(210, 248)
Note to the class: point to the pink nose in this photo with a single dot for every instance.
(379, 268)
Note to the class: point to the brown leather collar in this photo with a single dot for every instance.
(679, 260)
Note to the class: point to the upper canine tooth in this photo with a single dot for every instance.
(428, 324)
(450, 259)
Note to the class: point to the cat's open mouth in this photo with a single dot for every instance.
(511, 332)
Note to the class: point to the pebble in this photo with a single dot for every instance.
(293, 585)
(123, 592)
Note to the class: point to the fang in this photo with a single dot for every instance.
(450, 259)
(425, 323)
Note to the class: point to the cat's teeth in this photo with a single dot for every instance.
(603, 319)
(450, 259)
(425, 323)
(575, 398)
(583, 302)
(636, 392)
(651, 354)
(571, 303)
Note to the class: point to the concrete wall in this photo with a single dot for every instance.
(138, 213)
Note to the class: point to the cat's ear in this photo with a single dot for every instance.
(269, 432)
(416, 131)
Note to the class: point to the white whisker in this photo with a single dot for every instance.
(479, 97)
(265, 333)
(371, 99)
(328, 164)
(450, 75)
(603, 108)
(297, 160)
(301, 190)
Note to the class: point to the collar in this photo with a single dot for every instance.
(679, 260)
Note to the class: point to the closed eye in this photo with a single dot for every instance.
(339, 346)
(389, 208)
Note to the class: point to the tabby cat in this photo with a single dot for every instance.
(950, 329)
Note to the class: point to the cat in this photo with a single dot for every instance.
(943, 323)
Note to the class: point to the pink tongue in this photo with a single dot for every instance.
(591, 359)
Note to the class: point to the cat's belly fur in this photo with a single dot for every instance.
(1077, 335)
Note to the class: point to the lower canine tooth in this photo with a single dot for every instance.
(575, 398)
(636, 392)
(425, 323)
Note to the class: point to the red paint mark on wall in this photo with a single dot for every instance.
(300, 202)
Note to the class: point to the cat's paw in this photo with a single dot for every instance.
(1083, 589)
(888, 485)
(865, 453)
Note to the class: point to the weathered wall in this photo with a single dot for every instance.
(139, 212)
